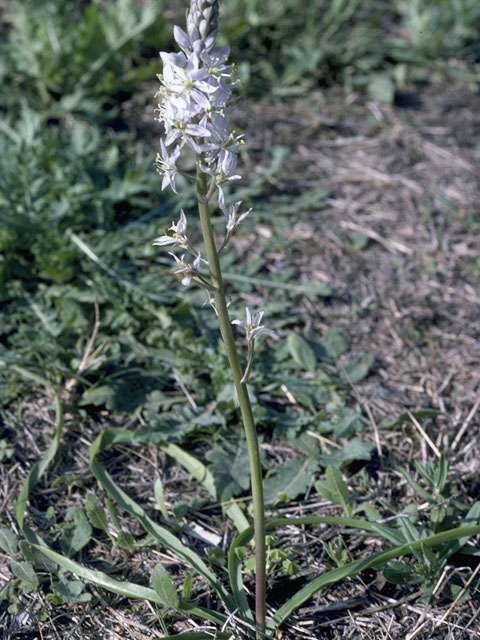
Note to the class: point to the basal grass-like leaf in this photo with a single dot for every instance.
(357, 566)
(170, 541)
(100, 578)
(201, 473)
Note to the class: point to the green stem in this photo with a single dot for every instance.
(243, 398)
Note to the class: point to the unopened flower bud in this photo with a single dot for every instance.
(202, 22)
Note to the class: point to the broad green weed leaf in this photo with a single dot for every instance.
(307, 392)
(96, 513)
(37, 560)
(401, 573)
(292, 478)
(334, 488)
(125, 540)
(165, 427)
(355, 449)
(113, 514)
(419, 414)
(123, 392)
(371, 512)
(97, 396)
(27, 575)
(8, 541)
(358, 368)
(347, 423)
(164, 587)
(228, 464)
(382, 88)
(76, 535)
(334, 343)
(71, 590)
(302, 352)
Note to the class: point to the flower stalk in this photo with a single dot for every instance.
(243, 399)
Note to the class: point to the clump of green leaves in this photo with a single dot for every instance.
(374, 46)
(412, 525)
(67, 167)
(280, 562)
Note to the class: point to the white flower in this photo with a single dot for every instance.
(253, 328)
(232, 220)
(166, 165)
(188, 269)
(231, 213)
(183, 77)
(179, 234)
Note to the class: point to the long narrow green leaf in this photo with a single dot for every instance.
(203, 612)
(353, 568)
(39, 468)
(111, 272)
(171, 542)
(235, 565)
(204, 475)
(26, 373)
(99, 578)
(123, 588)
(34, 475)
(200, 635)
(196, 468)
(415, 486)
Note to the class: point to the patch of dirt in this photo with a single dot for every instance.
(398, 243)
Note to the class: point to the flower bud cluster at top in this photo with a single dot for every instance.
(195, 98)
